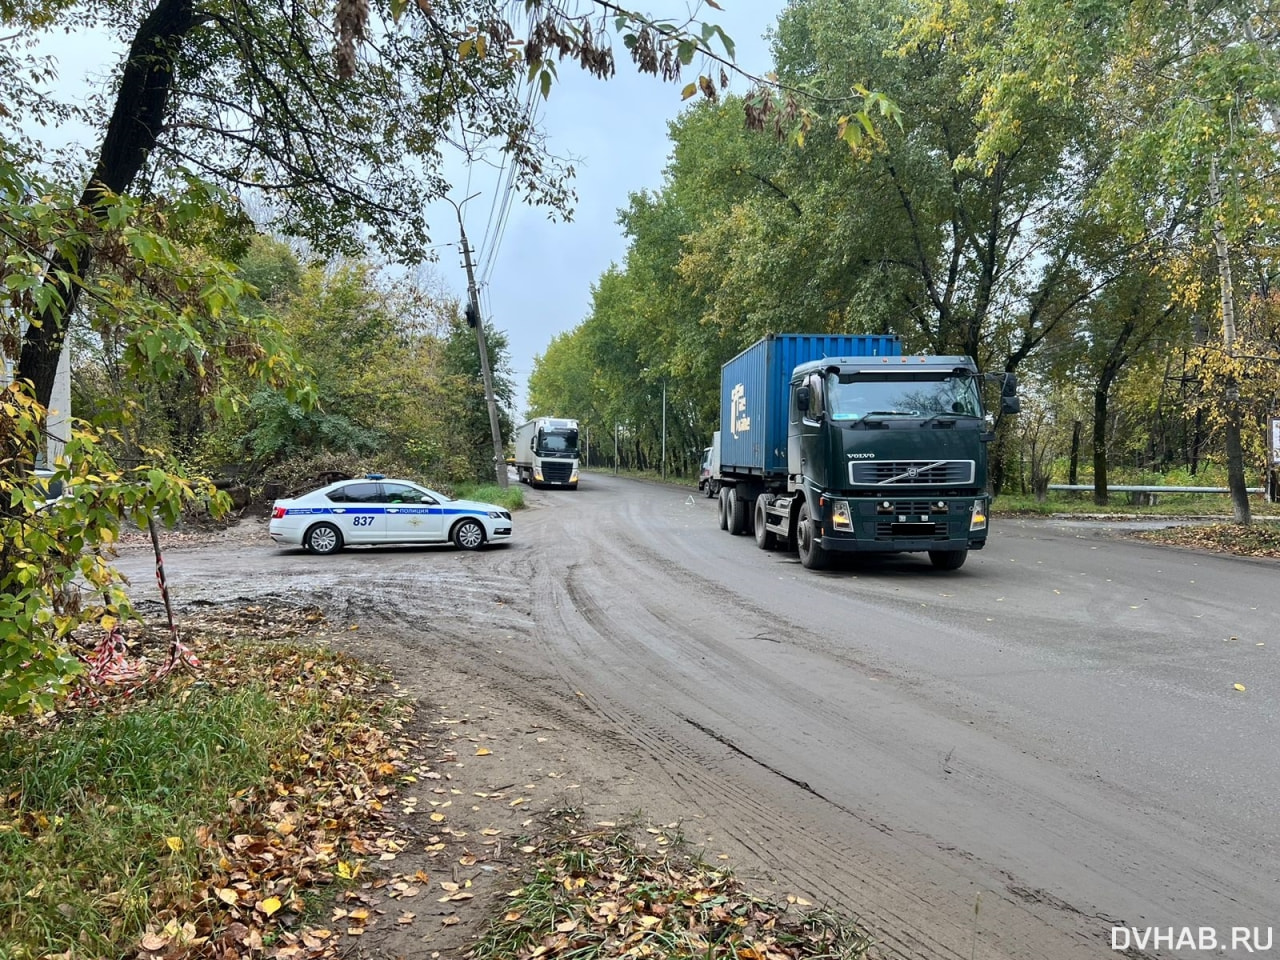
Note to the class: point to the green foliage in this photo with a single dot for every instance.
(55, 572)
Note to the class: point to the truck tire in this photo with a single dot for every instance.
(948, 559)
(812, 555)
(739, 517)
(708, 490)
(723, 504)
(765, 539)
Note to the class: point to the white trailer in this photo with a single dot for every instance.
(546, 452)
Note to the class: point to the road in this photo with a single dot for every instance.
(1005, 761)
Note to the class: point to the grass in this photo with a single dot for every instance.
(131, 818)
(101, 813)
(512, 497)
(1168, 505)
(593, 894)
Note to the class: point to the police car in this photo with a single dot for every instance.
(374, 509)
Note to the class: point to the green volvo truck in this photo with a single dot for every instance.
(839, 443)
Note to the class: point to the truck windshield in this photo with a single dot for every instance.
(854, 396)
(563, 442)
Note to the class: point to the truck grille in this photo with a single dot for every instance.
(894, 530)
(911, 473)
(554, 471)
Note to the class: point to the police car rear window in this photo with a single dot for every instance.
(355, 493)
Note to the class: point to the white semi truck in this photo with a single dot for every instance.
(546, 452)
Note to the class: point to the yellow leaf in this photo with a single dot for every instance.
(173, 843)
(269, 905)
(465, 48)
(1238, 686)
(483, 752)
(689, 90)
(481, 45)
(228, 896)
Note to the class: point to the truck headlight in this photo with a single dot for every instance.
(978, 519)
(573, 478)
(841, 518)
(537, 474)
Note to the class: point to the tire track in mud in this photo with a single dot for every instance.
(1064, 819)
(781, 830)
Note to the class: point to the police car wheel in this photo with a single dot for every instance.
(323, 538)
(468, 535)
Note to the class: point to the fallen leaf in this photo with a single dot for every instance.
(483, 752)
(173, 843)
(269, 905)
(1238, 686)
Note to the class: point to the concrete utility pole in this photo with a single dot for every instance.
(475, 320)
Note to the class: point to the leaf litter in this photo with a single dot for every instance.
(337, 816)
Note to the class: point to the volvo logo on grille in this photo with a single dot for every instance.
(912, 472)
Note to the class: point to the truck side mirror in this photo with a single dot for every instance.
(802, 399)
(1009, 402)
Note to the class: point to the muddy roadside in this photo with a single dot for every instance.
(496, 758)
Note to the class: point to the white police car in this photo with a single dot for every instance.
(374, 509)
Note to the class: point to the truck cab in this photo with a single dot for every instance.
(888, 455)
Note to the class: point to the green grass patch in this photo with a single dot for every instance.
(130, 818)
(600, 893)
(1121, 504)
(512, 497)
(101, 813)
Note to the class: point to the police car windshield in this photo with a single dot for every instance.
(851, 397)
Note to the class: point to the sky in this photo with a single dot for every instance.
(536, 274)
(539, 279)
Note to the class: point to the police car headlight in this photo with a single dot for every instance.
(495, 515)
(978, 519)
(841, 518)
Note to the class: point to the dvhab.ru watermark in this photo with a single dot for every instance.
(1239, 941)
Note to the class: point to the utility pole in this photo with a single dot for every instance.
(475, 320)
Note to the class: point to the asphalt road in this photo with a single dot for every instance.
(1006, 761)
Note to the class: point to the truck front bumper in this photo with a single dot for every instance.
(900, 525)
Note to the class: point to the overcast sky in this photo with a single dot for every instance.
(539, 282)
(535, 274)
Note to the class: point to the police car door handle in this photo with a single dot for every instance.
(339, 509)
(393, 509)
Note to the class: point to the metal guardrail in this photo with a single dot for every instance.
(1132, 488)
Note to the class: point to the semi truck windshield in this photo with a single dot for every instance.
(853, 397)
(562, 442)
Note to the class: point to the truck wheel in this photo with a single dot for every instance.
(948, 559)
(812, 555)
(708, 490)
(738, 516)
(765, 539)
(723, 504)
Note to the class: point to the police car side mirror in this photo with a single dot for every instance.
(426, 499)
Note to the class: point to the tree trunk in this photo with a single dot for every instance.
(1100, 445)
(1234, 448)
(131, 135)
(1073, 473)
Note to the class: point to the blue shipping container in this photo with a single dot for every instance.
(754, 392)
